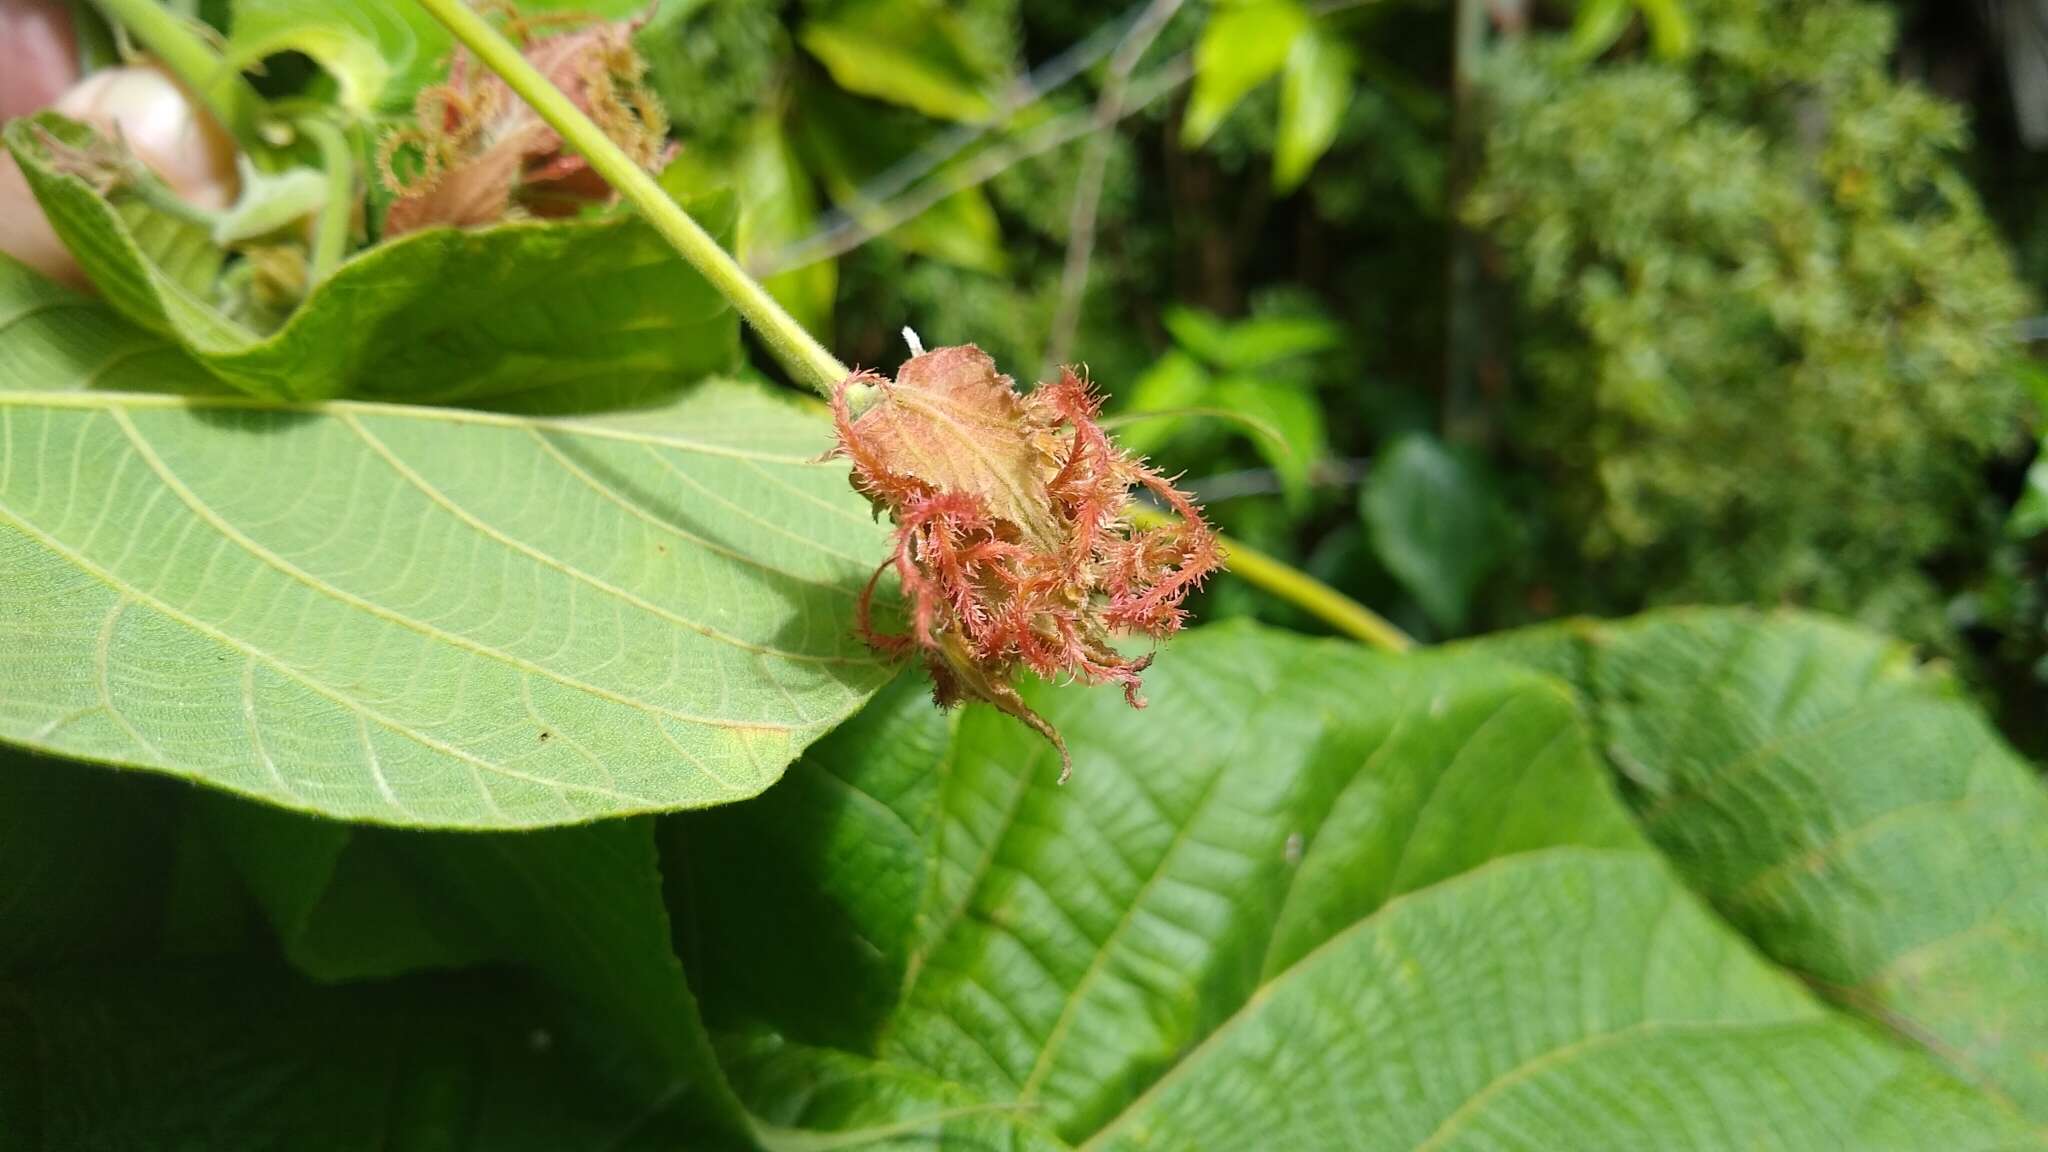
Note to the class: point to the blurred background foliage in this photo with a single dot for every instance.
(1482, 312)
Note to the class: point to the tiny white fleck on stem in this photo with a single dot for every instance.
(910, 338)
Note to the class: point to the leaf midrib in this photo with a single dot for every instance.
(116, 401)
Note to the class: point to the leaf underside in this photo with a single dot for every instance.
(409, 615)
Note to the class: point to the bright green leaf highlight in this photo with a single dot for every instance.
(1315, 89)
(2029, 516)
(907, 52)
(1311, 899)
(1243, 46)
(778, 206)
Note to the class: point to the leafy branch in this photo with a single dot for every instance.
(798, 350)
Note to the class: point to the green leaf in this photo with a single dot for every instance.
(1671, 32)
(1598, 25)
(573, 312)
(380, 52)
(907, 52)
(1243, 46)
(1313, 898)
(848, 146)
(1435, 524)
(412, 615)
(1253, 343)
(80, 863)
(269, 202)
(1865, 827)
(1174, 381)
(241, 1058)
(834, 858)
(2029, 516)
(1288, 409)
(1315, 89)
(778, 206)
(580, 908)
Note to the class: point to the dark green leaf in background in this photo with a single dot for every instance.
(908, 52)
(1243, 45)
(1315, 88)
(1435, 522)
(1869, 830)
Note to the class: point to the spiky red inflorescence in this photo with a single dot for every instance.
(1013, 540)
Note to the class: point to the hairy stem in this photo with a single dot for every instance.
(799, 352)
(172, 41)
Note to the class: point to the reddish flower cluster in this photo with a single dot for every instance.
(1013, 540)
(474, 146)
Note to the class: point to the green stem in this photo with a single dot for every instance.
(799, 352)
(1313, 597)
(171, 40)
(330, 228)
(1303, 591)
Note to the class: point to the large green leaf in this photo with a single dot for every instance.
(581, 908)
(572, 312)
(1311, 899)
(142, 1006)
(1864, 826)
(411, 615)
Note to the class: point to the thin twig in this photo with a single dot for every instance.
(850, 233)
(1338, 473)
(1050, 77)
(1109, 108)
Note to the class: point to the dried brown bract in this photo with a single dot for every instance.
(1014, 542)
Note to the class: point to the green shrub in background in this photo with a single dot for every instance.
(1766, 326)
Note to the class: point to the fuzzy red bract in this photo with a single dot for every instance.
(478, 152)
(1014, 544)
